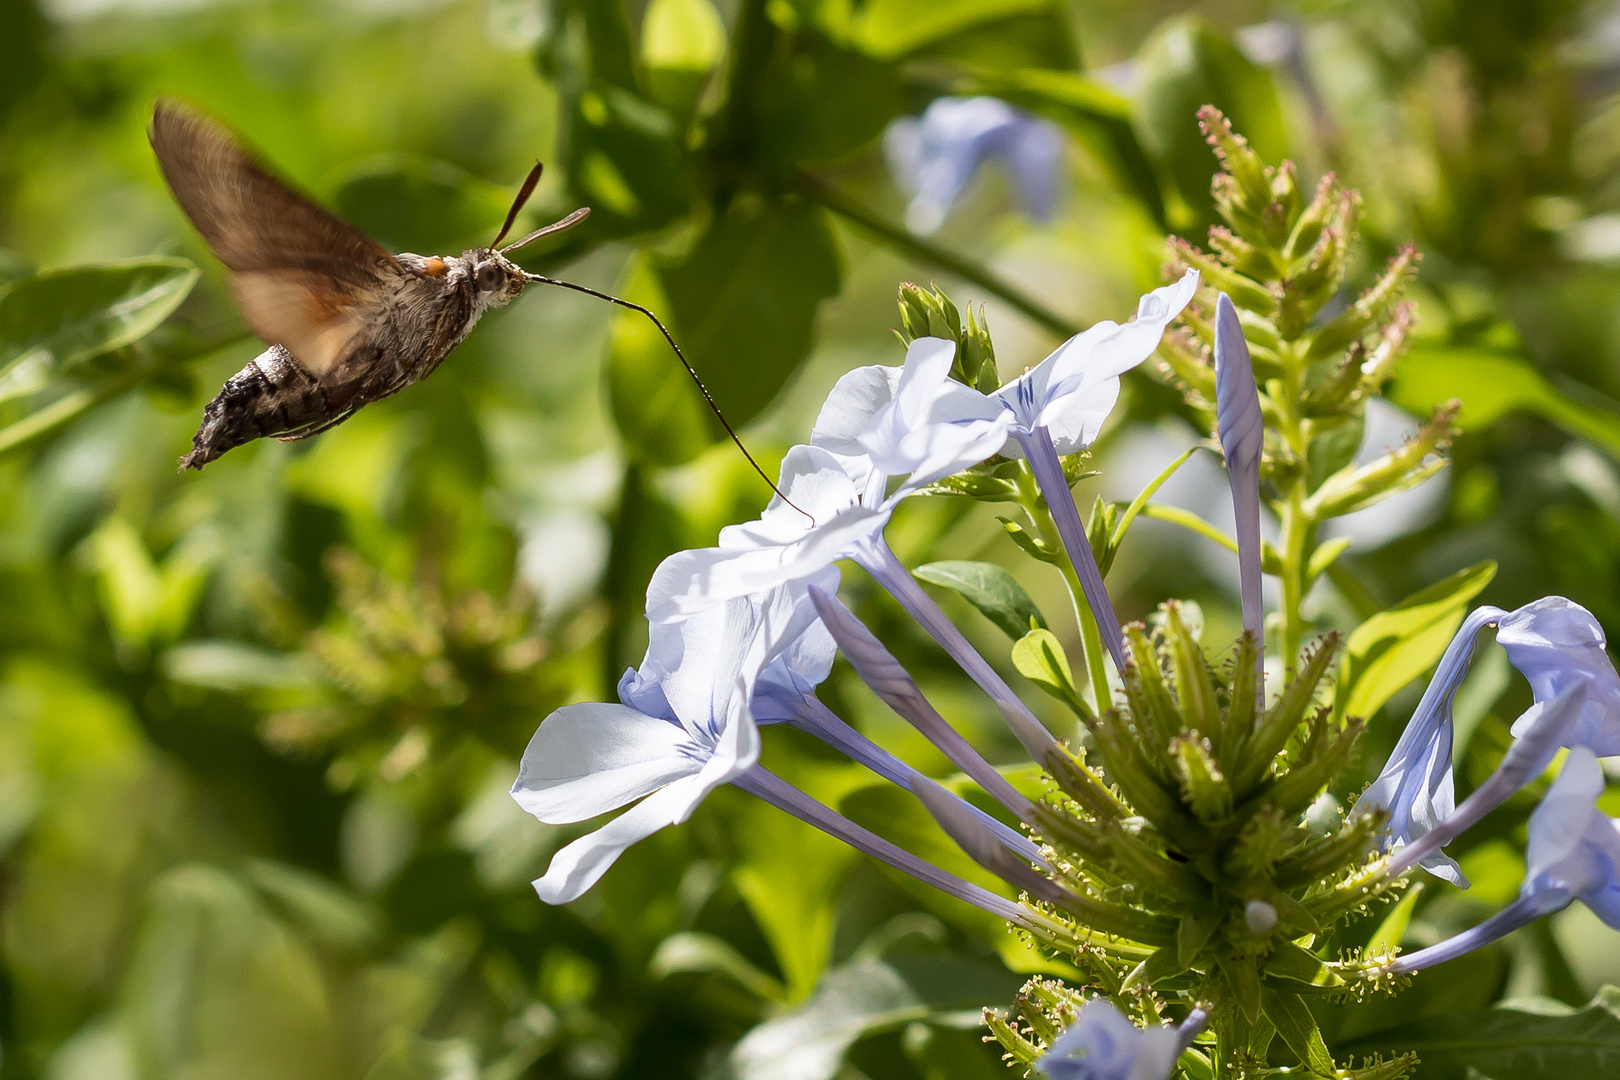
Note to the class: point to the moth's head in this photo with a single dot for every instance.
(496, 278)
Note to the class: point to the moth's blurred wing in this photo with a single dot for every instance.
(305, 278)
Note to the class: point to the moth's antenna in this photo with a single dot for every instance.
(555, 227)
(662, 329)
(517, 204)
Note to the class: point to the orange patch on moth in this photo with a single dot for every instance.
(433, 267)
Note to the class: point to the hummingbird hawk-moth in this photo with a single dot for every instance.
(347, 322)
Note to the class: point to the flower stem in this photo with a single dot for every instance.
(928, 252)
(784, 796)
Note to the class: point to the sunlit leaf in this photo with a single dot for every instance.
(1039, 657)
(1396, 646)
(866, 996)
(991, 589)
(893, 28)
(1492, 384)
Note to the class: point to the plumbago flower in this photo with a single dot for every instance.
(933, 157)
(1573, 854)
(686, 724)
(682, 729)
(1559, 647)
(1104, 1045)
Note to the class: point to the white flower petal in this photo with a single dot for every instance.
(858, 396)
(575, 868)
(588, 759)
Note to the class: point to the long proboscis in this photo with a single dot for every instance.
(690, 370)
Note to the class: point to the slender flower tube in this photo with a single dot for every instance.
(1048, 469)
(1242, 432)
(1103, 1045)
(768, 786)
(1542, 729)
(816, 719)
(878, 668)
(1415, 787)
(1573, 854)
(785, 691)
(888, 571)
(933, 157)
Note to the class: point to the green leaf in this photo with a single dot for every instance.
(1183, 66)
(1511, 1043)
(144, 601)
(831, 101)
(207, 938)
(660, 416)
(991, 589)
(1298, 1029)
(684, 35)
(1396, 646)
(1389, 933)
(1492, 384)
(692, 952)
(1039, 657)
(1289, 961)
(418, 204)
(52, 322)
(623, 155)
(1325, 555)
(743, 301)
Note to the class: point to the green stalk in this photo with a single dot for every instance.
(932, 254)
(1296, 522)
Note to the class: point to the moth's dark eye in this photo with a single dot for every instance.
(490, 277)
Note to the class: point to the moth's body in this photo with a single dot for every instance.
(348, 323)
(406, 333)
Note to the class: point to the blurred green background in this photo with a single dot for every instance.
(257, 725)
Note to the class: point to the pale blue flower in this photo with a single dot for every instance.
(1559, 647)
(1573, 854)
(1554, 643)
(933, 157)
(1103, 1044)
(682, 729)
